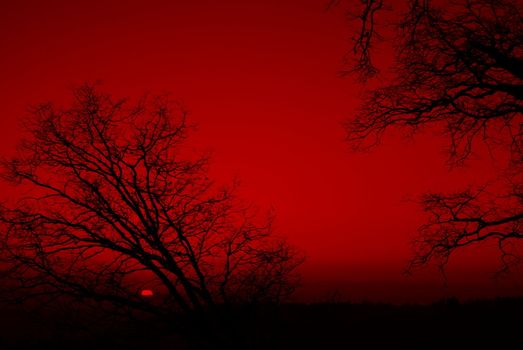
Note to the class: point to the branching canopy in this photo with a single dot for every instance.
(458, 68)
(111, 203)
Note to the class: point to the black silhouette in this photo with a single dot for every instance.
(457, 69)
(112, 204)
(309, 326)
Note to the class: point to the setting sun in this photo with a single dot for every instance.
(146, 293)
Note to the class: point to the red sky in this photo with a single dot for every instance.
(260, 79)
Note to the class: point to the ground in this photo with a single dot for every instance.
(446, 324)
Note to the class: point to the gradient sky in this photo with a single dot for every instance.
(260, 78)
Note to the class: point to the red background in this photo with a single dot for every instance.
(260, 78)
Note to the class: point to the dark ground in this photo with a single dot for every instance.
(496, 324)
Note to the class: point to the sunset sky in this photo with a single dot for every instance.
(261, 80)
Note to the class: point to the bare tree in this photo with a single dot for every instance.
(457, 69)
(112, 204)
(461, 219)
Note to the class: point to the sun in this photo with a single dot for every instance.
(146, 293)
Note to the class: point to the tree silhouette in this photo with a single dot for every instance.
(111, 204)
(458, 69)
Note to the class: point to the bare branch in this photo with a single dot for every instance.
(113, 203)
